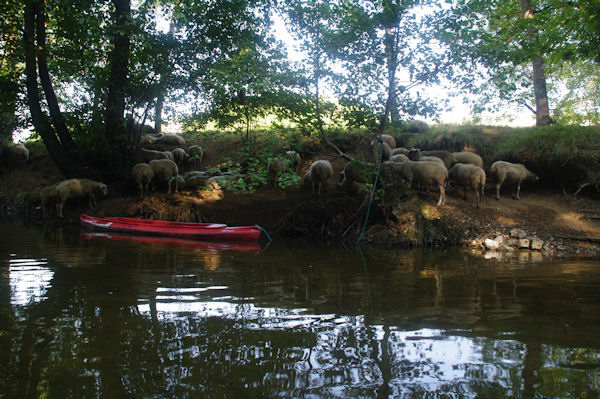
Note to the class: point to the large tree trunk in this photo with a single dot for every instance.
(390, 41)
(116, 131)
(542, 109)
(55, 114)
(67, 165)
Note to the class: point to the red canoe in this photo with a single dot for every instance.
(204, 231)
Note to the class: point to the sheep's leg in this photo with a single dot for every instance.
(177, 184)
(59, 208)
(517, 191)
(92, 200)
(442, 198)
(465, 189)
(169, 192)
(498, 190)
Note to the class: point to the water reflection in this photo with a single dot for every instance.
(83, 318)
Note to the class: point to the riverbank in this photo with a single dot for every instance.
(551, 221)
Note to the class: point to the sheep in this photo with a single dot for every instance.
(49, 199)
(423, 172)
(196, 179)
(400, 150)
(417, 155)
(387, 150)
(399, 158)
(170, 139)
(169, 155)
(167, 170)
(145, 156)
(142, 174)
(18, 155)
(180, 156)
(150, 138)
(468, 175)
(78, 188)
(468, 157)
(391, 141)
(320, 172)
(294, 158)
(353, 171)
(511, 173)
(276, 167)
(196, 154)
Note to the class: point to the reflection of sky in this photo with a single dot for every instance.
(29, 280)
(349, 353)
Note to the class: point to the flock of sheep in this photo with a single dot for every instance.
(411, 166)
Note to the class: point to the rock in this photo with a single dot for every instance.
(500, 240)
(523, 243)
(518, 233)
(491, 244)
(536, 244)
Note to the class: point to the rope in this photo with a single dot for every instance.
(268, 236)
(372, 191)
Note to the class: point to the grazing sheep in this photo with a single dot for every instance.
(511, 173)
(169, 155)
(142, 174)
(78, 188)
(165, 169)
(391, 141)
(399, 158)
(196, 154)
(294, 158)
(422, 172)
(387, 150)
(320, 172)
(145, 156)
(196, 179)
(417, 155)
(353, 171)
(400, 150)
(468, 175)
(171, 139)
(468, 158)
(49, 198)
(18, 155)
(276, 167)
(150, 138)
(180, 156)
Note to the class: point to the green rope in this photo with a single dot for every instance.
(372, 191)
(267, 234)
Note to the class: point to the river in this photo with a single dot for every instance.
(88, 316)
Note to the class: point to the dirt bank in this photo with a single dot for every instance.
(564, 223)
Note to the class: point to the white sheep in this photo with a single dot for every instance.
(294, 158)
(399, 158)
(391, 141)
(18, 154)
(469, 176)
(165, 169)
(142, 174)
(320, 172)
(180, 156)
(196, 154)
(423, 172)
(468, 158)
(276, 167)
(170, 139)
(417, 155)
(511, 173)
(145, 156)
(170, 155)
(78, 188)
(376, 147)
(195, 179)
(399, 150)
(353, 171)
(49, 199)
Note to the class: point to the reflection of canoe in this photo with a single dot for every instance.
(202, 231)
(245, 246)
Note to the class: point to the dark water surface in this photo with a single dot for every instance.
(116, 318)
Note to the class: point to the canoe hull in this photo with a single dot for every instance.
(204, 231)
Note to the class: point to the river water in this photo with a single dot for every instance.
(88, 316)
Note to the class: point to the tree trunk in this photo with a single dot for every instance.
(119, 59)
(68, 166)
(160, 100)
(55, 114)
(542, 109)
(116, 131)
(391, 57)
